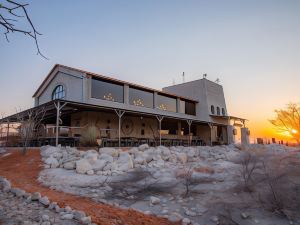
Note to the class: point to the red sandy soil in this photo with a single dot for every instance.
(22, 171)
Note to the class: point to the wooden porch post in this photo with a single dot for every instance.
(58, 111)
(189, 122)
(159, 118)
(120, 113)
(210, 127)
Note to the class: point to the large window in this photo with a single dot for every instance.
(187, 107)
(190, 108)
(141, 98)
(58, 92)
(107, 90)
(166, 103)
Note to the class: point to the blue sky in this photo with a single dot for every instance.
(253, 47)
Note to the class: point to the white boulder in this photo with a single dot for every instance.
(143, 147)
(124, 162)
(139, 159)
(44, 200)
(175, 217)
(70, 165)
(90, 172)
(165, 153)
(148, 155)
(110, 151)
(47, 151)
(106, 157)
(154, 200)
(82, 166)
(182, 157)
(99, 165)
(52, 162)
(91, 156)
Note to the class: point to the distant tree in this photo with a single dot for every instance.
(288, 120)
(12, 14)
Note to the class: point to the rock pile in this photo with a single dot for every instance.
(19, 207)
(110, 161)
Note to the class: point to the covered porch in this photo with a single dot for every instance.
(65, 122)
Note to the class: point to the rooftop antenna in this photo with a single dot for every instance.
(183, 80)
(217, 81)
(204, 76)
(173, 81)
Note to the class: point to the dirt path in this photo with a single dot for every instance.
(23, 171)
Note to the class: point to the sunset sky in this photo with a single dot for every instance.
(253, 47)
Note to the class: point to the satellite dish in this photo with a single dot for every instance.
(217, 81)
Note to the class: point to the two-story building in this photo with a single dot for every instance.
(126, 114)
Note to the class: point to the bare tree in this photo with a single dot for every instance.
(273, 181)
(288, 120)
(13, 13)
(29, 121)
(250, 163)
(186, 177)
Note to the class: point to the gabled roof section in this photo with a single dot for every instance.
(57, 66)
(45, 80)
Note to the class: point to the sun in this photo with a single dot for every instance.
(293, 131)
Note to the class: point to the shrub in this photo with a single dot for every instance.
(89, 137)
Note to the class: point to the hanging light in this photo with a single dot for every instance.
(109, 97)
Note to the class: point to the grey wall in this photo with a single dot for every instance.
(74, 86)
(207, 93)
(194, 90)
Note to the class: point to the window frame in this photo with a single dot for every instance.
(141, 90)
(58, 94)
(218, 111)
(119, 85)
(166, 97)
(223, 112)
(212, 109)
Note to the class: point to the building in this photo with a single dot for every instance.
(126, 114)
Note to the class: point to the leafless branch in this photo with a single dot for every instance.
(9, 24)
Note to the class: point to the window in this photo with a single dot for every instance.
(166, 103)
(106, 90)
(212, 109)
(141, 98)
(58, 92)
(223, 112)
(190, 108)
(187, 107)
(218, 111)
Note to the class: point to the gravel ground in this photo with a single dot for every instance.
(15, 210)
